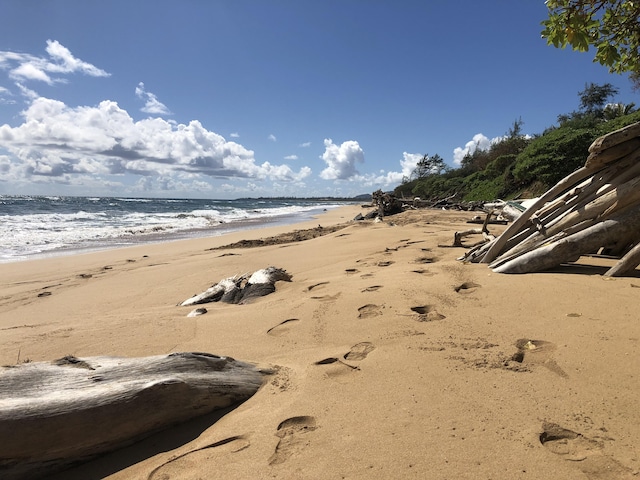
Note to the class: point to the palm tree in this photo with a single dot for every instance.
(615, 110)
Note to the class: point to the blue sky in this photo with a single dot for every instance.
(235, 98)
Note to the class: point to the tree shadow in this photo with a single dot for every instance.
(163, 441)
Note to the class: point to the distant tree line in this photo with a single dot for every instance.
(518, 165)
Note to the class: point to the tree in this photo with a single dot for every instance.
(615, 110)
(594, 97)
(429, 166)
(515, 130)
(593, 100)
(611, 26)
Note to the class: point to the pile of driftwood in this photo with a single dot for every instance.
(385, 203)
(596, 209)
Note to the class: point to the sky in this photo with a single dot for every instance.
(225, 99)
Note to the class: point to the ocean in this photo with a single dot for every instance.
(40, 226)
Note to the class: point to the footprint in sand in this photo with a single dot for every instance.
(427, 313)
(385, 263)
(466, 287)
(369, 310)
(282, 328)
(351, 271)
(537, 352)
(182, 465)
(359, 351)
(317, 285)
(585, 452)
(426, 259)
(326, 298)
(422, 271)
(333, 360)
(372, 288)
(291, 433)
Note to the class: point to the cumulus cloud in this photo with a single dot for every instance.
(59, 141)
(26, 67)
(291, 157)
(384, 179)
(234, 135)
(152, 105)
(305, 144)
(341, 160)
(272, 137)
(479, 142)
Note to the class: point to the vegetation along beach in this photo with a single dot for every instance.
(253, 269)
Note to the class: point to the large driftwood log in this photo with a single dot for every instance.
(566, 249)
(56, 414)
(614, 138)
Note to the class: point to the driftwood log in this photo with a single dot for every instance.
(580, 215)
(53, 415)
(241, 288)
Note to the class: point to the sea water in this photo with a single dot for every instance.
(36, 226)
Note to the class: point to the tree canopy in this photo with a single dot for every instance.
(611, 26)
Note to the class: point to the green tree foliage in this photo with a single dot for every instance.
(483, 174)
(434, 165)
(521, 165)
(593, 100)
(615, 110)
(594, 97)
(611, 26)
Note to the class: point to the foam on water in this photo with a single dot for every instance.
(32, 225)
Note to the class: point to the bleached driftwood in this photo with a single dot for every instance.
(484, 231)
(572, 246)
(578, 207)
(235, 290)
(68, 411)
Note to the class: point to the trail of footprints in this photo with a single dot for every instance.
(529, 354)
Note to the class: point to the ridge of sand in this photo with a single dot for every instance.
(393, 359)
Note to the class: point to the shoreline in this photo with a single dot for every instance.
(221, 230)
(391, 358)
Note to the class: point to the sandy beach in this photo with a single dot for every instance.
(393, 359)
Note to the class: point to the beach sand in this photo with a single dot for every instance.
(394, 360)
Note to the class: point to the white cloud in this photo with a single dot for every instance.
(272, 137)
(341, 160)
(27, 92)
(25, 67)
(65, 143)
(234, 135)
(384, 179)
(5, 97)
(152, 104)
(305, 144)
(479, 142)
(291, 157)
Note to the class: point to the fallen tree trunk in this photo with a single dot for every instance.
(55, 414)
(566, 249)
